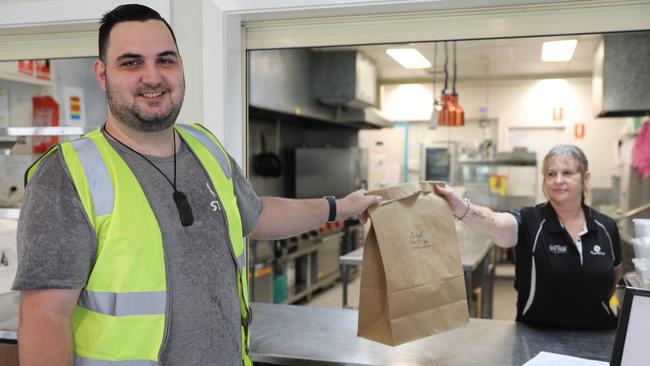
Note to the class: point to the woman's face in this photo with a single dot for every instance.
(562, 181)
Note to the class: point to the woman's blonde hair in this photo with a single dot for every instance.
(570, 152)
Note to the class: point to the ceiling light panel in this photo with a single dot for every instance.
(409, 58)
(558, 51)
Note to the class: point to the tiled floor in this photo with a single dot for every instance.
(504, 294)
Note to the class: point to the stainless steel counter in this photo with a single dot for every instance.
(301, 335)
(298, 335)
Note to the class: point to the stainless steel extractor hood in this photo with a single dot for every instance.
(621, 79)
(287, 82)
(363, 118)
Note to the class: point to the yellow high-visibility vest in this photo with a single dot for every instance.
(120, 318)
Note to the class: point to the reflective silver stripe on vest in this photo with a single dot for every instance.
(241, 261)
(212, 147)
(120, 304)
(99, 182)
(80, 361)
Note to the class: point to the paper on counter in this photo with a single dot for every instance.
(555, 359)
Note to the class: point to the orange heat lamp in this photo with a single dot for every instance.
(444, 113)
(459, 114)
(447, 109)
(451, 108)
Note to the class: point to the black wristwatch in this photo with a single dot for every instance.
(331, 200)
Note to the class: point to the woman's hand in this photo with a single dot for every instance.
(457, 205)
(499, 226)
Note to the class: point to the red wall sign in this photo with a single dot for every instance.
(42, 69)
(26, 67)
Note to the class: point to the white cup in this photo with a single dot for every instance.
(641, 228)
(642, 267)
(641, 247)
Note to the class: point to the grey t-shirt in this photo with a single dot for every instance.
(57, 248)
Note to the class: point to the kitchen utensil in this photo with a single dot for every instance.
(266, 164)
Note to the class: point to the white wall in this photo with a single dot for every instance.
(516, 103)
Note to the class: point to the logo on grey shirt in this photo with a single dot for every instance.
(215, 202)
(558, 249)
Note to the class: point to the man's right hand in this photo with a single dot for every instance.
(357, 204)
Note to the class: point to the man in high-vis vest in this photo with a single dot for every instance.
(131, 238)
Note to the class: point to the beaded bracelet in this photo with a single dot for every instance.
(469, 206)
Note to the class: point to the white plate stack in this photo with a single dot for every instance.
(642, 250)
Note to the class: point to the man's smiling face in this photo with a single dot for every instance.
(142, 75)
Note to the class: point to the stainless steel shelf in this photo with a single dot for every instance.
(500, 162)
(9, 213)
(45, 131)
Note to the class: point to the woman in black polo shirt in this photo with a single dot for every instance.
(567, 255)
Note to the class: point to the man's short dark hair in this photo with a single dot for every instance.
(126, 13)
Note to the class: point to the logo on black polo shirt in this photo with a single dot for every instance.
(597, 250)
(558, 249)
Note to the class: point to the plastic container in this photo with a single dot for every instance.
(641, 228)
(642, 247)
(642, 267)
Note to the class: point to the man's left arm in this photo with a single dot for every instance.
(282, 217)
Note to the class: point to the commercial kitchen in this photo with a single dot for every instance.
(313, 99)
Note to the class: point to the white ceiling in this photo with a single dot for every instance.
(496, 58)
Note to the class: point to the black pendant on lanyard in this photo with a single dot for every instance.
(184, 208)
(182, 204)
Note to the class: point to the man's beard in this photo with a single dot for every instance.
(134, 117)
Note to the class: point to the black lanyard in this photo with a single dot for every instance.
(182, 204)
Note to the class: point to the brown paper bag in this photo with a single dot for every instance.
(412, 282)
